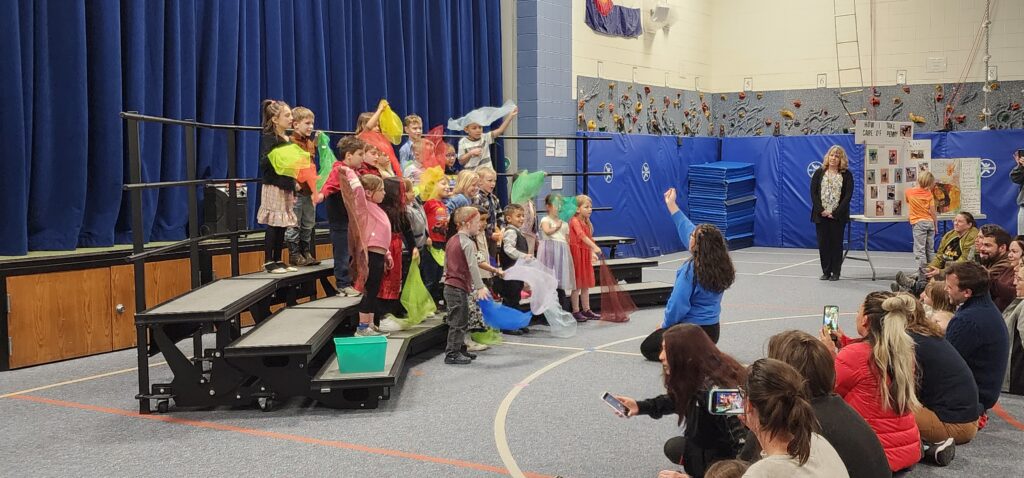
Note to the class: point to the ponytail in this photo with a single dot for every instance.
(892, 349)
(778, 393)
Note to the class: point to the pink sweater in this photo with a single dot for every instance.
(378, 228)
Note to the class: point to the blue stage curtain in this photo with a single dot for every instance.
(70, 67)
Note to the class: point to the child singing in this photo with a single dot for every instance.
(584, 252)
(462, 283)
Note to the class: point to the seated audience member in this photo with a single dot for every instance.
(993, 246)
(977, 331)
(692, 367)
(852, 438)
(938, 308)
(1016, 251)
(1014, 317)
(886, 402)
(726, 469)
(779, 413)
(946, 389)
(956, 245)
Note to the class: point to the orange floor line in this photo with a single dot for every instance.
(273, 435)
(1002, 413)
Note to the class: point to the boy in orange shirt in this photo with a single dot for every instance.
(923, 218)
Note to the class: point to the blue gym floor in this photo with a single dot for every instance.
(529, 406)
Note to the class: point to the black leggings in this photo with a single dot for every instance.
(273, 242)
(651, 346)
(369, 303)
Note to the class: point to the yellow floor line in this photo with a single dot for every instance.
(79, 380)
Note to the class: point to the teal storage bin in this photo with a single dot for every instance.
(361, 354)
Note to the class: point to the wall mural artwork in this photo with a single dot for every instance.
(626, 107)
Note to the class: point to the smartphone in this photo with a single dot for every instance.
(830, 317)
(1020, 153)
(615, 404)
(725, 401)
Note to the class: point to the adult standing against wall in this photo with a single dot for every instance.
(1017, 176)
(831, 191)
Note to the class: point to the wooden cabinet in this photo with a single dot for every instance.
(58, 316)
(165, 280)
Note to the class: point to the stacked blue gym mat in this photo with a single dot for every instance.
(722, 194)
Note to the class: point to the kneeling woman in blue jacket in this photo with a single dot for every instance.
(697, 293)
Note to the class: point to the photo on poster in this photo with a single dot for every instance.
(917, 154)
(874, 191)
(879, 208)
(897, 175)
(922, 166)
(906, 131)
(893, 157)
(869, 177)
(883, 176)
(872, 156)
(947, 185)
(911, 174)
(890, 192)
(897, 208)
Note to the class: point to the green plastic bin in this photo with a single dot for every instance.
(361, 354)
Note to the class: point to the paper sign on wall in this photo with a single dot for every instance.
(882, 132)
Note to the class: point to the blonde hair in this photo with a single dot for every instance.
(583, 198)
(410, 119)
(300, 113)
(892, 349)
(464, 180)
(926, 180)
(371, 182)
(844, 162)
(465, 214)
(361, 121)
(486, 171)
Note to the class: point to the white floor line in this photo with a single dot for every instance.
(573, 349)
(79, 380)
(771, 319)
(787, 267)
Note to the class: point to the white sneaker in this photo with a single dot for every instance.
(389, 324)
(472, 346)
(291, 269)
(370, 331)
(351, 292)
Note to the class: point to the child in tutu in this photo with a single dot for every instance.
(553, 247)
(584, 252)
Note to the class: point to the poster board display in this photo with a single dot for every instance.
(957, 185)
(891, 161)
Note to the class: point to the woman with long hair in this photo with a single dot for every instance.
(831, 191)
(778, 412)
(700, 282)
(946, 389)
(693, 366)
(875, 374)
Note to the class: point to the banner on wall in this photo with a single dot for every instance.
(603, 16)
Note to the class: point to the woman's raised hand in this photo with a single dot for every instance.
(670, 200)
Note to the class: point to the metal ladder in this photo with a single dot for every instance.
(854, 67)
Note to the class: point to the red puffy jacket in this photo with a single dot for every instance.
(857, 383)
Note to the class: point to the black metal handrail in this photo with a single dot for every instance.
(190, 182)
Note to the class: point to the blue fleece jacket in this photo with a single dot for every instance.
(690, 303)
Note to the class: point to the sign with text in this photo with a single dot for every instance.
(882, 132)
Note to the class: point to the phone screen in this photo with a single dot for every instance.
(615, 404)
(830, 317)
(725, 401)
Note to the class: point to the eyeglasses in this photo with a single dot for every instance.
(450, 155)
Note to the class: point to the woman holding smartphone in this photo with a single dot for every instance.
(693, 366)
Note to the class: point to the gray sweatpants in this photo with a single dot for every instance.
(305, 215)
(924, 243)
(457, 301)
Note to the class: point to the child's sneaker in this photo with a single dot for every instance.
(370, 331)
(472, 345)
(350, 292)
(389, 324)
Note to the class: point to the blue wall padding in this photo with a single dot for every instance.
(638, 207)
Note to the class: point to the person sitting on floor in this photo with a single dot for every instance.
(847, 432)
(938, 308)
(993, 252)
(778, 411)
(692, 366)
(1014, 317)
(956, 245)
(875, 374)
(977, 331)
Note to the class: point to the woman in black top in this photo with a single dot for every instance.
(831, 191)
(946, 386)
(852, 438)
(693, 366)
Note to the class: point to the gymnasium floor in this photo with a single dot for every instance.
(531, 404)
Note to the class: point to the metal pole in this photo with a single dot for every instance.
(193, 204)
(138, 245)
(586, 166)
(232, 198)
